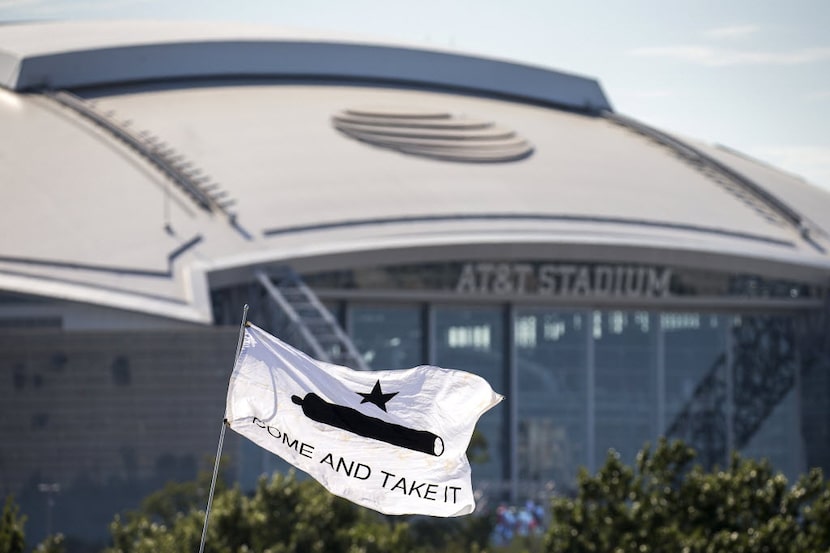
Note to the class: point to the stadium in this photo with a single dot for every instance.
(380, 206)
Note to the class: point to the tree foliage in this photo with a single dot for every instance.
(283, 515)
(12, 536)
(665, 503)
(55, 543)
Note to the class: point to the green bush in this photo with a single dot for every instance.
(12, 536)
(52, 544)
(665, 503)
(283, 515)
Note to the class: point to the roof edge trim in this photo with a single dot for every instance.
(277, 231)
(398, 247)
(104, 66)
(195, 310)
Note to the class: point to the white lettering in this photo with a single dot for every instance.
(502, 283)
(467, 280)
(522, 270)
(547, 281)
(485, 271)
(553, 279)
(582, 284)
(566, 272)
(658, 283)
(603, 280)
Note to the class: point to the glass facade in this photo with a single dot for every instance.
(624, 369)
(581, 383)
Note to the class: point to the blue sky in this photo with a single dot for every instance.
(751, 75)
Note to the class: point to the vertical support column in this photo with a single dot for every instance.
(729, 377)
(660, 377)
(346, 319)
(340, 315)
(427, 334)
(590, 407)
(796, 432)
(512, 383)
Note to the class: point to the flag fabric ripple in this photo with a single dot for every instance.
(394, 441)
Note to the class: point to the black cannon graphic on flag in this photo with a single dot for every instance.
(352, 420)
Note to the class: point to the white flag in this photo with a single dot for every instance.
(394, 441)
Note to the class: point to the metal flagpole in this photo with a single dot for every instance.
(222, 436)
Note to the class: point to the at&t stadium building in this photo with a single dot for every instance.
(380, 206)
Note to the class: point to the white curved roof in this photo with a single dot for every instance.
(87, 218)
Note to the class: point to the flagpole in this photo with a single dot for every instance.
(222, 435)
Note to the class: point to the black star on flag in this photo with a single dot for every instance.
(377, 396)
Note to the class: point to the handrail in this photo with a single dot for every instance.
(287, 280)
(339, 332)
(292, 314)
(173, 165)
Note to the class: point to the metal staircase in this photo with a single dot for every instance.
(299, 317)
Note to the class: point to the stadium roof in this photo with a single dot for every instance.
(143, 163)
(76, 54)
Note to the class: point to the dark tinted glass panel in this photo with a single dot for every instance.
(552, 381)
(765, 364)
(388, 337)
(472, 339)
(695, 346)
(696, 382)
(625, 393)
